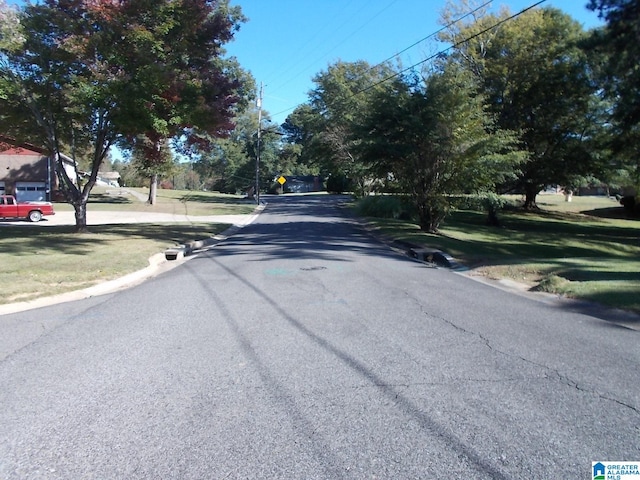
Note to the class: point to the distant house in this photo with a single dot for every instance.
(109, 179)
(30, 175)
(303, 184)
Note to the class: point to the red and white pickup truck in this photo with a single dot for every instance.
(32, 211)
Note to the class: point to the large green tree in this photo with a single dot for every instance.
(173, 53)
(434, 138)
(618, 44)
(538, 82)
(620, 40)
(10, 36)
(230, 164)
(326, 126)
(99, 72)
(52, 96)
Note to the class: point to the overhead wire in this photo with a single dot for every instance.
(452, 46)
(439, 53)
(303, 47)
(341, 42)
(432, 34)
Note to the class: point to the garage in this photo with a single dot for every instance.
(31, 191)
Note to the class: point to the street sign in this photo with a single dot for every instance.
(282, 180)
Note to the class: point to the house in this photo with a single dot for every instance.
(108, 179)
(303, 184)
(28, 174)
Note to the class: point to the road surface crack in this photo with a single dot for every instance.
(554, 372)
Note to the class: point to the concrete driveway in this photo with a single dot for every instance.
(103, 218)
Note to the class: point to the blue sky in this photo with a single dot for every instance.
(286, 43)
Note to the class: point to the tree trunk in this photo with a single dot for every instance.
(153, 189)
(530, 195)
(81, 217)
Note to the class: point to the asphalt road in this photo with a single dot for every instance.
(301, 347)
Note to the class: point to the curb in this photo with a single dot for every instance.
(158, 263)
(186, 249)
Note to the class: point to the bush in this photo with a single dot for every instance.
(631, 205)
(386, 206)
(338, 183)
(432, 211)
(553, 284)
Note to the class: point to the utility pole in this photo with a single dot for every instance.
(259, 105)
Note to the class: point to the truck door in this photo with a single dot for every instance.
(7, 207)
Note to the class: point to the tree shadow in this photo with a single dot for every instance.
(291, 235)
(109, 199)
(617, 213)
(67, 241)
(207, 198)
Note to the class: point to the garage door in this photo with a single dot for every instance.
(31, 191)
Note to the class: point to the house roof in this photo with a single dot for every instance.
(19, 151)
(109, 175)
(8, 143)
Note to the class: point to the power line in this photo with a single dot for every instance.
(435, 55)
(455, 45)
(433, 34)
(302, 48)
(341, 42)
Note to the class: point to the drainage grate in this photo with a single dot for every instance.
(311, 269)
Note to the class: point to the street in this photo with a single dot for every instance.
(302, 347)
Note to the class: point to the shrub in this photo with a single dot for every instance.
(631, 205)
(338, 183)
(553, 284)
(386, 206)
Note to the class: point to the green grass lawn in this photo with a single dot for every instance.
(585, 249)
(178, 202)
(38, 262)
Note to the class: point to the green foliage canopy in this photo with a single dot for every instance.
(436, 139)
(538, 82)
(97, 73)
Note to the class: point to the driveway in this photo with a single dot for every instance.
(103, 218)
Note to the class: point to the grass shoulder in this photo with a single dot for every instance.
(38, 261)
(583, 249)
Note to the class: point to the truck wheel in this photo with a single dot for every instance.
(35, 216)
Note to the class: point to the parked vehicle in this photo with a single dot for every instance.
(32, 211)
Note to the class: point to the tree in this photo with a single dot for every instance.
(538, 82)
(52, 97)
(618, 43)
(436, 139)
(301, 131)
(10, 34)
(326, 126)
(230, 165)
(174, 57)
(97, 72)
(620, 40)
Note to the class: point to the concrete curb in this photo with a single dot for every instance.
(158, 263)
(186, 249)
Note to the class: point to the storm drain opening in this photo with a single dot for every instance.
(311, 269)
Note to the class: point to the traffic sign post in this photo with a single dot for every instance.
(282, 181)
